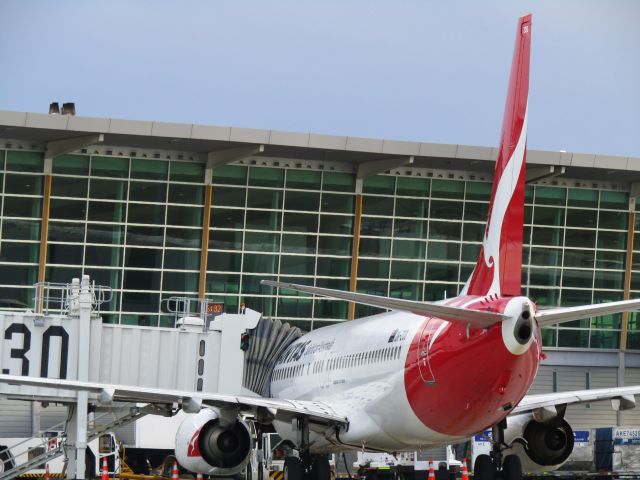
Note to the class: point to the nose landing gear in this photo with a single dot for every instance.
(494, 466)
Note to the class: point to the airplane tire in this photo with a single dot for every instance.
(512, 468)
(483, 468)
(292, 468)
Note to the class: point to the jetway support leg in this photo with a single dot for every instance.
(77, 438)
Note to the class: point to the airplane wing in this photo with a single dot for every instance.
(622, 398)
(286, 410)
(567, 314)
(476, 318)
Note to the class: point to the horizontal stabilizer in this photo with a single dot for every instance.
(475, 318)
(567, 314)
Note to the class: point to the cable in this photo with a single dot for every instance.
(346, 466)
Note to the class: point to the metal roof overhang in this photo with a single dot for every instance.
(134, 134)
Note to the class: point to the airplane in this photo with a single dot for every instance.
(420, 374)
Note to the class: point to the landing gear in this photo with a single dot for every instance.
(308, 466)
(491, 467)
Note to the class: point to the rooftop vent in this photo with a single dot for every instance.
(68, 108)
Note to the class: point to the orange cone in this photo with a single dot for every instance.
(105, 469)
(432, 473)
(174, 471)
(465, 472)
(46, 472)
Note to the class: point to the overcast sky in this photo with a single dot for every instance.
(433, 71)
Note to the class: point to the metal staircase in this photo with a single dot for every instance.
(51, 452)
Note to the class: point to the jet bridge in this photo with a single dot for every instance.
(64, 337)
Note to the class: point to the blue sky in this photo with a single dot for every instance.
(423, 70)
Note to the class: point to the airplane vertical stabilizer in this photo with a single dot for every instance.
(499, 266)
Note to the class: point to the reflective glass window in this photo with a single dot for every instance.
(61, 253)
(104, 189)
(23, 184)
(440, 209)
(335, 203)
(478, 191)
(407, 270)
(545, 277)
(614, 220)
(337, 224)
(109, 167)
(145, 236)
(183, 237)
(375, 205)
(24, 161)
(550, 195)
(191, 194)
(185, 216)
(148, 192)
(375, 226)
(227, 218)
(146, 213)
(19, 252)
(106, 211)
(69, 187)
(333, 267)
(445, 230)
(548, 216)
(403, 227)
(299, 243)
(443, 251)
(577, 278)
(228, 196)
(225, 239)
(338, 182)
(470, 252)
(412, 186)
(149, 169)
(580, 238)
(230, 175)
(180, 281)
(579, 258)
(15, 229)
(412, 207)
(141, 301)
(612, 240)
(373, 268)
(66, 232)
(223, 283)
(476, 211)
(549, 257)
(103, 256)
(614, 200)
(71, 165)
(187, 172)
(263, 198)
(106, 234)
(224, 261)
(447, 189)
(375, 247)
(547, 236)
(262, 241)
(304, 179)
(295, 200)
(266, 177)
(381, 184)
(473, 232)
(582, 198)
(409, 249)
(68, 209)
(143, 258)
(582, 218)
(573, 338)
(21, 207)
(335, 245)
(181, 259)
(443, 272)
(297, 265)
(610, 260)
(300, 222)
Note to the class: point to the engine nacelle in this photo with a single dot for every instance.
(204, 446)
(548, 445)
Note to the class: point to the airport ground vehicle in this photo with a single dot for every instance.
(22, 450)
(406, 465)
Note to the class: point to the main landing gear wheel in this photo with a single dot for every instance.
(512, 468)
(483, 468)
(292, 468)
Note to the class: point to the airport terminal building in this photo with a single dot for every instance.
(156, 210)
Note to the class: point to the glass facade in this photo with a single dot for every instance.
(136, 224)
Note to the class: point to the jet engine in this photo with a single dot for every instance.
(540, 446)
(211, 443)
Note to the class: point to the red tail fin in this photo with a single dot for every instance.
(499, 266)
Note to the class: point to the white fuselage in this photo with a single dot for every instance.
(357, 368)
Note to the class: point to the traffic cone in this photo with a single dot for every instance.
(432, 473)
(105, 469)
(465, 472)
(46, 472)
(199, 476)
(174, 471)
